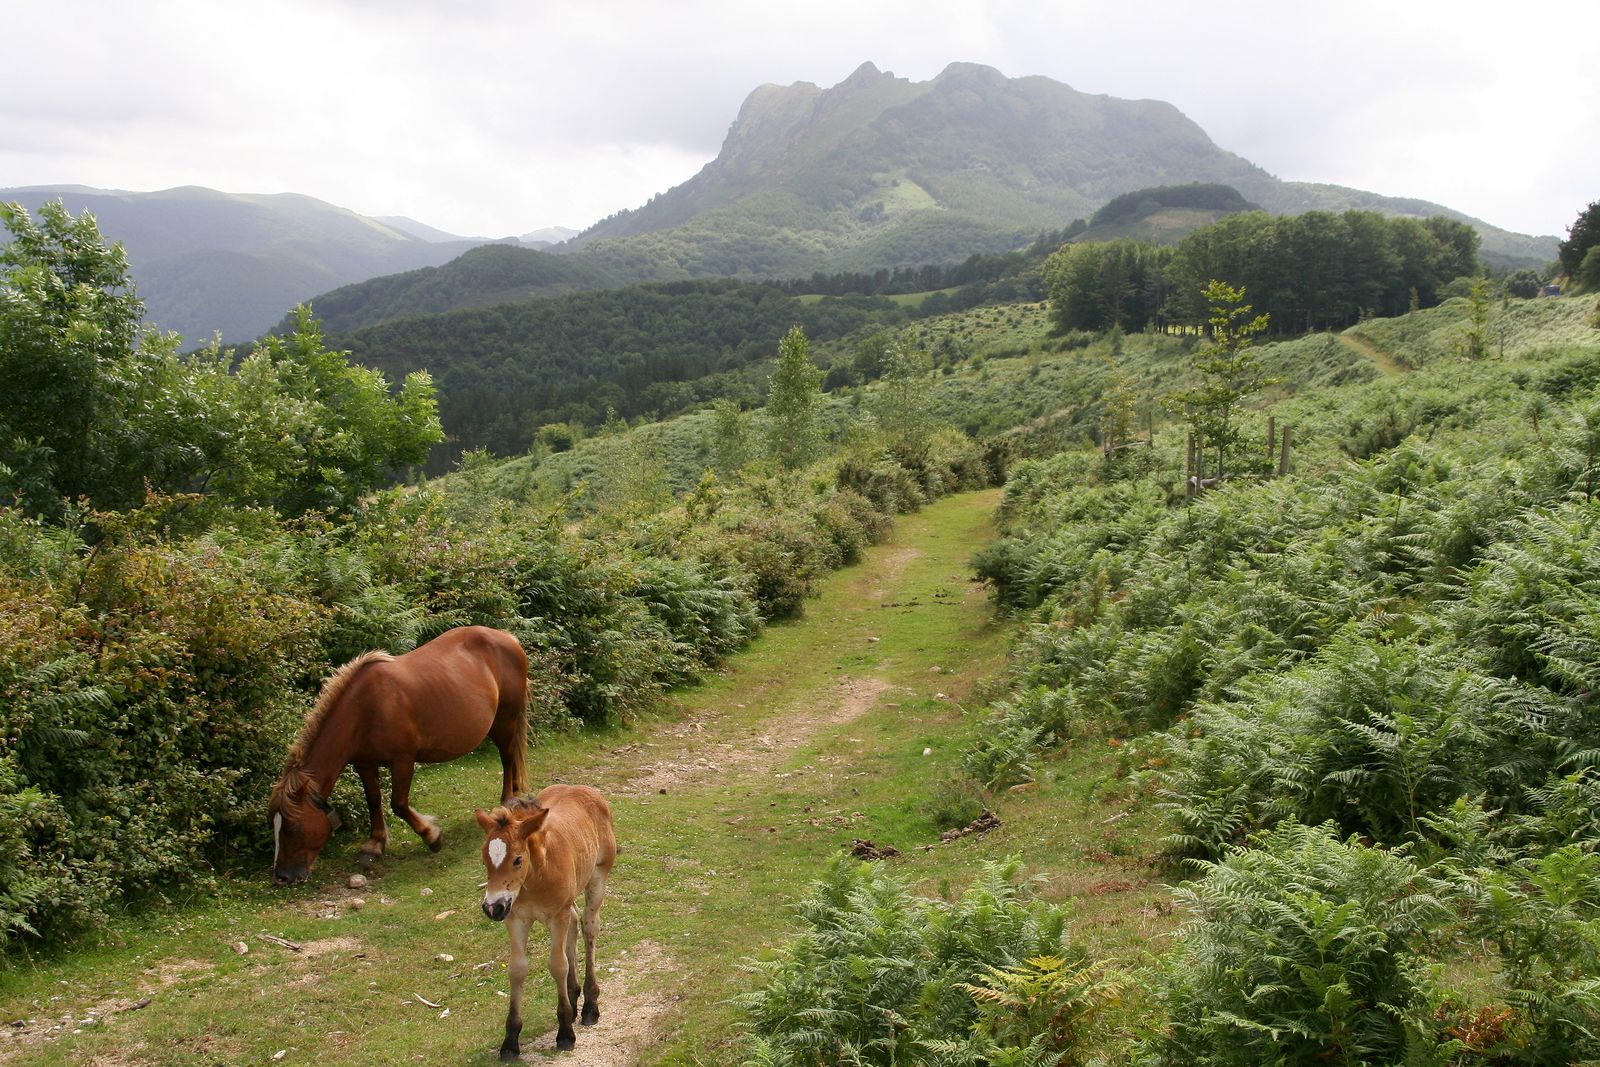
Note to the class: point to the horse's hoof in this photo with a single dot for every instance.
(510, 1055)
(591, 1015)
(367, 857)
(565, 1044)
(437, 843)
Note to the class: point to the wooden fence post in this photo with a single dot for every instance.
(1283, 457)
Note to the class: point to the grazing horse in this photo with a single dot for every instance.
(435, 703)
(541, 854)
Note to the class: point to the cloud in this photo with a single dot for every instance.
(499, 116)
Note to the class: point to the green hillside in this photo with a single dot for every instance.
(207, 262)
(481, 277)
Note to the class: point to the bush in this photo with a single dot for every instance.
(878, 976)
(1301, 950)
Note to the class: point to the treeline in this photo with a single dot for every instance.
(1306, 272)
(653, 350)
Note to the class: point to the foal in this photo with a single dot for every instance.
(540, 855)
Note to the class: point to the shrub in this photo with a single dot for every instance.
(1301, 950)
(878, 976)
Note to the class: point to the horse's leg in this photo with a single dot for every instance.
(517, 929)
(560, 936)
(508, 788)
(379, 840)
(593, 897)
(426, 826)
(573, 988)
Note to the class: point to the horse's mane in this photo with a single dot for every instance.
(294, 778)
(507, 813)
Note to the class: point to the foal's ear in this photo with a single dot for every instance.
(485, 820)
(525, 827)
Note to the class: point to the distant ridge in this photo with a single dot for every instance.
(206, 261)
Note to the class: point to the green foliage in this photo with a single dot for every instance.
(99, 412)
(903, 401)
(1300, 950)
(1213, 196)
(1582, 235)
(1230, 376)
(793, 399)
(876, 975)
(645, 352)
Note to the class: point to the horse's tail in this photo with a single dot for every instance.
(519, 745)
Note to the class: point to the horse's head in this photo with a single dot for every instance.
(506, 854)
(302, 822)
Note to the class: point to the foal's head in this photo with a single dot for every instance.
(505, 852)
(302, 821)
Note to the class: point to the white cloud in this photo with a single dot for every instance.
(496, 117)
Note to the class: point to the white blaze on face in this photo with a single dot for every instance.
(277, 831)
(497, 852)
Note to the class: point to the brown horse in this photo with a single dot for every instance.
(540, 855)
(435, 703)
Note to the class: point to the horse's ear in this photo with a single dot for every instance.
(485, 820)
(526, 826)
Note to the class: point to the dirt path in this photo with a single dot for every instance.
(1366, 350)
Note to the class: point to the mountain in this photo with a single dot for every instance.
(879, 171)
(547, 236)
(206, 261)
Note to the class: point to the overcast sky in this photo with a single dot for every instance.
(493, 118)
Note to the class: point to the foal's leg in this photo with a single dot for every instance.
(426, 826)
(593, 897)
(573, 988)
(517, 966)
(375, 844)
(561, 930)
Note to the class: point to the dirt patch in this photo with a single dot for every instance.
(634, 1005)
(18, 1035)
(312, 949)
(890, 567)
(851, 698)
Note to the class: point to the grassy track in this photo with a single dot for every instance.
(726, 803)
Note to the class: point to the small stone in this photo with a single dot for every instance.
(240, 948)
(425, 891)
(445, 957)
(358, 881)
(356, 903)
(444, 915)
(927, 752)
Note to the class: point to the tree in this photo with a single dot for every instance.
(315, 431)
(730, 439)
(1523, 283)
(69, 332)
(794, 401)
(1229, 373)
(1582, 235)
(904, 401)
